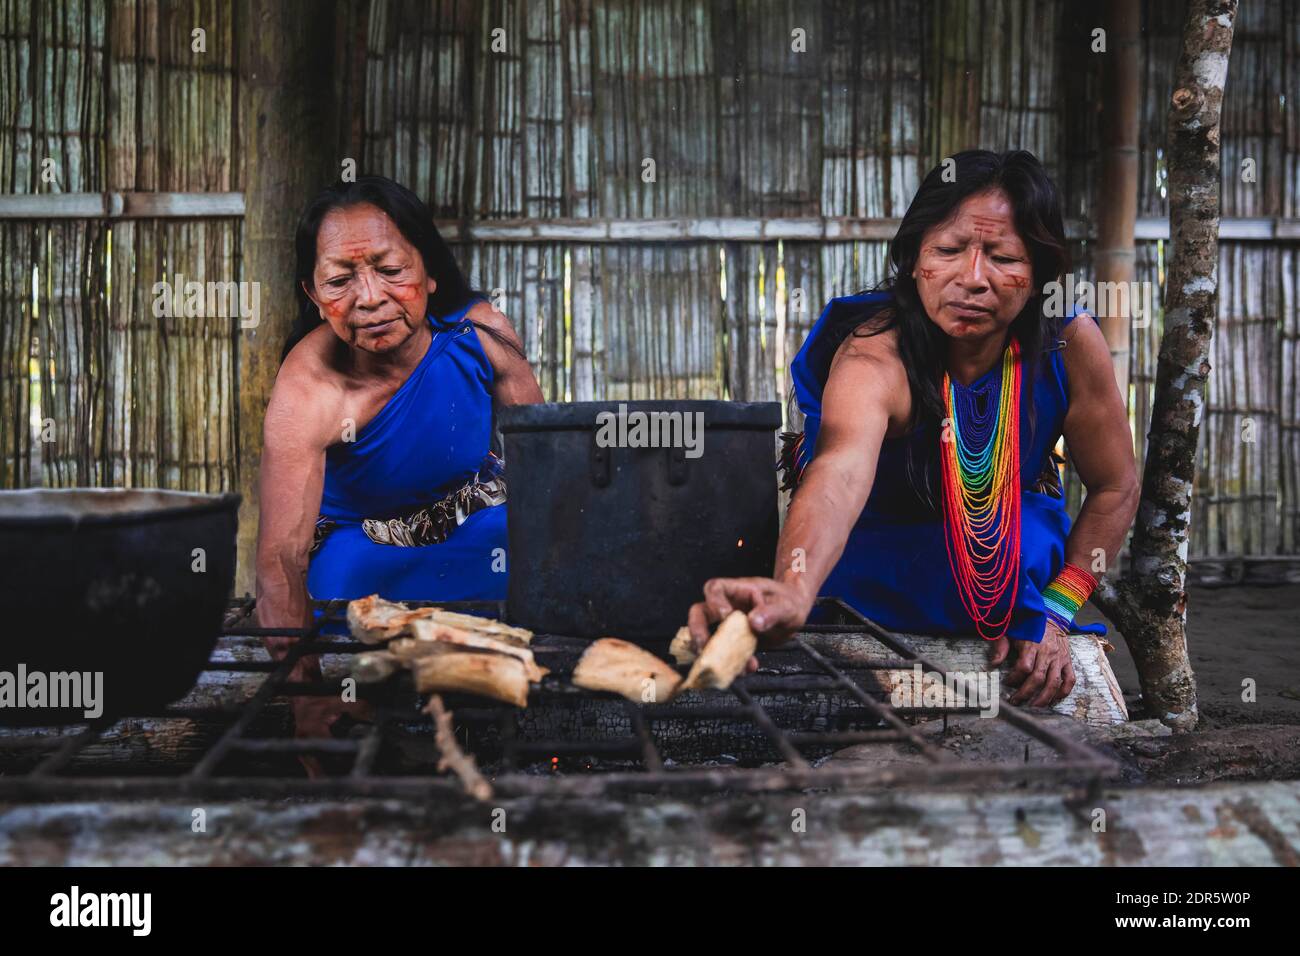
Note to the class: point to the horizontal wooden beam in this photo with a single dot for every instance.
(140, 205)
(732, 229)
(791, 229)
(1240, 228)
(119, 205)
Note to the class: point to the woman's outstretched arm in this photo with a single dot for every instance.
(301, 421)
(865, 393)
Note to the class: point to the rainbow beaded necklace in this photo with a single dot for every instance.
(981, 493)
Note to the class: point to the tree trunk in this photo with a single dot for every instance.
(1149, 604)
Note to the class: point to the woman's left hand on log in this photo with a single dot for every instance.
(1043, 673)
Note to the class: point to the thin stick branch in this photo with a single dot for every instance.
(451, 756)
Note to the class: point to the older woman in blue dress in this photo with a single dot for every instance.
(376, 473)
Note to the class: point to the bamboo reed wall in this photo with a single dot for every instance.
(113, 93)
(557, 124)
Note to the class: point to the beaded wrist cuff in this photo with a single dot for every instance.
(1066, 594)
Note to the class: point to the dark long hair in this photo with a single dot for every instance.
(922, 345)
(413, 220)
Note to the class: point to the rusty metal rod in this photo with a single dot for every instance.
(885, 714)
(205, 767)
(769, 727)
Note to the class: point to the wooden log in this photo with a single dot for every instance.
(1271, 570)
(1096, 699)
(1219, 571)
(152, 742)
(1238, 824)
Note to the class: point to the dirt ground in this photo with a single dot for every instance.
(1233, 633)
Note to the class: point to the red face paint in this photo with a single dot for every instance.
(407, 293)
(381, 279)
(1018, 282)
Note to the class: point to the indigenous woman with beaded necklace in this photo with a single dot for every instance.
(926, 486)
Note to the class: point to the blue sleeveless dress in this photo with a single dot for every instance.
(429, 438)
(895, 567)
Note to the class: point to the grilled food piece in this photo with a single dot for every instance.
(683, 648)
(472, 672)
(517, 636)
(614, 665)
(373, 620)
(434, 632)
(723, 659)
(407, 649)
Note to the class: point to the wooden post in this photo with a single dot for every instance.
(955, 90)
(1149, 605)
(288, 135)
(1117, 214)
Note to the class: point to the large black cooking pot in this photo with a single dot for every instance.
(128, 583)
(618, 541)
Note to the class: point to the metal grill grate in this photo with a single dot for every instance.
(621, 762)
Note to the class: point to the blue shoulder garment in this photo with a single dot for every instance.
(430, 437)
(895, 567)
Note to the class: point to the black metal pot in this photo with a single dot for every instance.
(618, 541)
(131, 584)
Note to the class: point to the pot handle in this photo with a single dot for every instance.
(598, 465)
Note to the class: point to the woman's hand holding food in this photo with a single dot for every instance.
(775, 610)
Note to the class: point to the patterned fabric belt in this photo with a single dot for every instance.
(433, 523)
(1049, 481)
